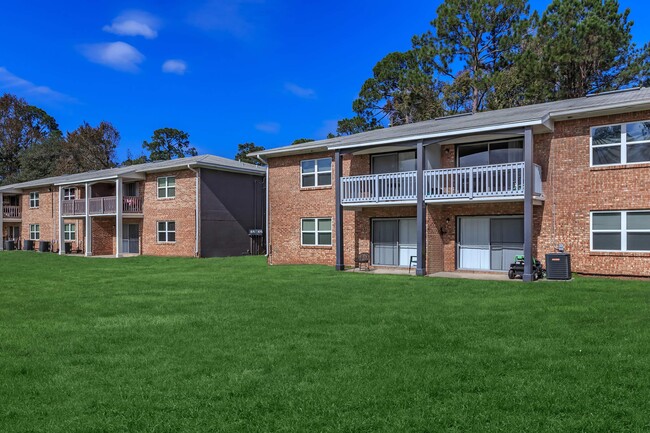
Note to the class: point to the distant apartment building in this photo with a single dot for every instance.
(203, 206)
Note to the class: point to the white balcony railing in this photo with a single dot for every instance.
(101, 206)
(450, 184)
(9, 211)
(385, 187)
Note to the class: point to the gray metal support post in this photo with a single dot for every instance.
(421, 208)
(118, 217)
(2, 226)
(61, 227)
(89, 221)
(528, 204)
(340, 261)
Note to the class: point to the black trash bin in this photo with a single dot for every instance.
(68, 248)
(10, 245)
(43, 246)
(28, 245)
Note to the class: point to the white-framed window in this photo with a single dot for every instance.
(69, 232)
(625, 143)
(167, 187)
(316, 231)
(34, 232)
(620, 230)
(69, 193)
(34, 199)
(166, 231)
(316, 172)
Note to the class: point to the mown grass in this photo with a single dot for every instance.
(167, 345)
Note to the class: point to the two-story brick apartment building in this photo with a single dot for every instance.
(201, 206)
(469, 192)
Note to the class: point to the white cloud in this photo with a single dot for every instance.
(301, 92)
(268, 127)
(117, 55)
(174, 66)
(134, 23)
(227, 16)
(16, 84)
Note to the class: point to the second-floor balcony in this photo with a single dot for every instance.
(11, 212)
(102, 206)
(489, 182)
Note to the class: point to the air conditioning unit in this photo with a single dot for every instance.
(558, 266)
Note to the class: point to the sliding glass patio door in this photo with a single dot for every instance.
(489, 243)
(394, 241)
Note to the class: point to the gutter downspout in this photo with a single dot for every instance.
(196, 211)
(267, 211)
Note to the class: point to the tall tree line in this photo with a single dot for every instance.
(32, 146)
(489, 54)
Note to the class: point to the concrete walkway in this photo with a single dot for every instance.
(486, 276)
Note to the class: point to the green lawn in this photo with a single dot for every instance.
(169, 345)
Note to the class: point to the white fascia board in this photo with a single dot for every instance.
(482, 129)
(288, 151)
(260, 172)
(633, 105)
(91, 180)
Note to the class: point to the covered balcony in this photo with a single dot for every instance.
(101, 206)
(10, 212)
(497, 182)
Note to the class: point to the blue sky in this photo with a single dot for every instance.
(225, 71)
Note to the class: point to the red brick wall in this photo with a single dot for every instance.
(103, 232)
(180, 209)
(571, 189)
(574, 189)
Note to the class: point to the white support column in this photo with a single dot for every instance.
(89, 221)
(61, 232)
(2, 222)
(118, 217)
(528, 204)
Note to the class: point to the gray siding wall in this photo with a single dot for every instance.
(231, 204)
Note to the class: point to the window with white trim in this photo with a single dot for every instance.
(627, 143)
(69, 193)
(316, 231)
(167, 187)
(69, 232)
(166, 231)
(34, 199)
(316, 172)
(34, 232)
(620, 231)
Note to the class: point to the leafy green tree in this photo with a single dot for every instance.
(402, 90)
(131, 160)
(89, 148)
(168, 143)
(243, 149)
(355, 125)
(580, 47)
(302, 140)
(477, 37)
(21, 127)
(41, 159)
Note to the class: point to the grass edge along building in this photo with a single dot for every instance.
(468, 192)
(201, 206)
